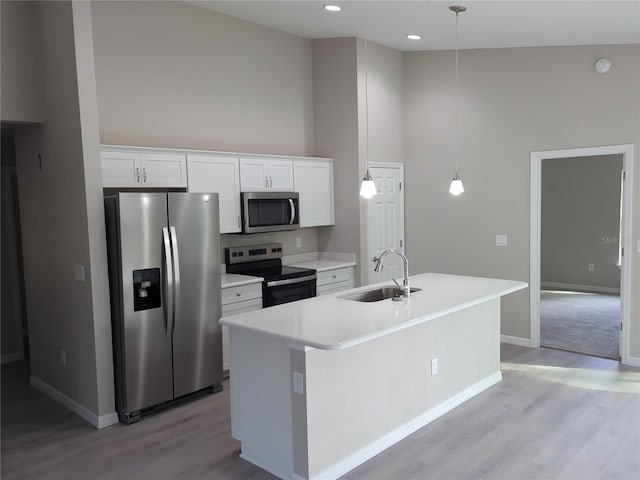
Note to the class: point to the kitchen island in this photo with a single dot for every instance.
(321, 385)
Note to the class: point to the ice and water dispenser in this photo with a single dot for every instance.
(146, 289)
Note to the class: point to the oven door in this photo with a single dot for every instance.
(270, 211)
(276, 292)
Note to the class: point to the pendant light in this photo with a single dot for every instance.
(368, 186)
(456, 187)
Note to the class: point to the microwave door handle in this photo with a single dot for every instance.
(168, 280)
(176, 275)
(293, 211)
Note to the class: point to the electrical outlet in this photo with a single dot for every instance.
(298, 383)
(434, 366)
(591, 267)
(298, 242)
(63, 358)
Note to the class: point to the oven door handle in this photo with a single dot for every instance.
(291, 281)
(293, 211)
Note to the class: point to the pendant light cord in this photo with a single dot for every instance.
(457, 99)
(366, 88)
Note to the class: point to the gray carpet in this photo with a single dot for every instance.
(581, 322)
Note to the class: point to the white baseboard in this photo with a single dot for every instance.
(11, 357)
(577, 288)
(631, 361)
(520, 341)
(384, 442)
(80, 410)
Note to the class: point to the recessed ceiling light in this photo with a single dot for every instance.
(414, 36)
(333, 8)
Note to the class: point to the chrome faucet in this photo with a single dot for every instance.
(405, 282)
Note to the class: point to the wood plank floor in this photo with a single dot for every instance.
(555, 415)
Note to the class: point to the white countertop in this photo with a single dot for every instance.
(329, 322)
(324, 265)
(321, 261)
(235, 280)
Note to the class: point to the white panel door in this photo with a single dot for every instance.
(253, 175)
(314, 182)
(386, 221)
(163, 170)
(120, 169)
(221, 175)
(280, 175)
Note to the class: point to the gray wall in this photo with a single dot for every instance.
(340, 128)
(336, 124)
(580, 220)
(170, 74)
(513, 101)
(21, 72)
(62, 217)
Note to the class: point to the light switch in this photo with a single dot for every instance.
(78, 272)
(638, 245)
(501, 240)
(298, 383)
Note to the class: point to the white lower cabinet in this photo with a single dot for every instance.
(331, 281)
(243, 298)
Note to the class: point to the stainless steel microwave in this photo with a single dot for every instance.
(270, 211)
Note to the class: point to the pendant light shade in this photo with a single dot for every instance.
(456, 187)
(368, 186)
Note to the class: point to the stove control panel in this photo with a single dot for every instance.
(252, 253)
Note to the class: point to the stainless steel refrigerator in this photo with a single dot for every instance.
(164, 277)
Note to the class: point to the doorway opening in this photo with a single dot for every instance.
(13, 320)
(580, 228)
(579, 254)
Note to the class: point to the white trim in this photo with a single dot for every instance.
(359, 457)
(633, 361)
(520, 341)
(80, 410)
(578, 288)
(11, 357)
(625, 278)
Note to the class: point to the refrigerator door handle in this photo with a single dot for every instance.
(169, 288)
(176, 277)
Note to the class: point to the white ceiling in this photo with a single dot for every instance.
(485, 24)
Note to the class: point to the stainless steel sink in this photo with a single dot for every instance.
(377, 294)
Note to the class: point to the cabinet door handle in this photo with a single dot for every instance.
(238, 221)
(266, 182)
(137, 175)
(144, 175)
(238, 294)
(333, 276)
(270, 181)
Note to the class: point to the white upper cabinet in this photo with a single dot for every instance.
(313, 180)
(266, 175)
(221, 175)
(122, 168)
(163, 170)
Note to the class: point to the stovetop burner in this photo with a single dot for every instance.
(262, 261)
